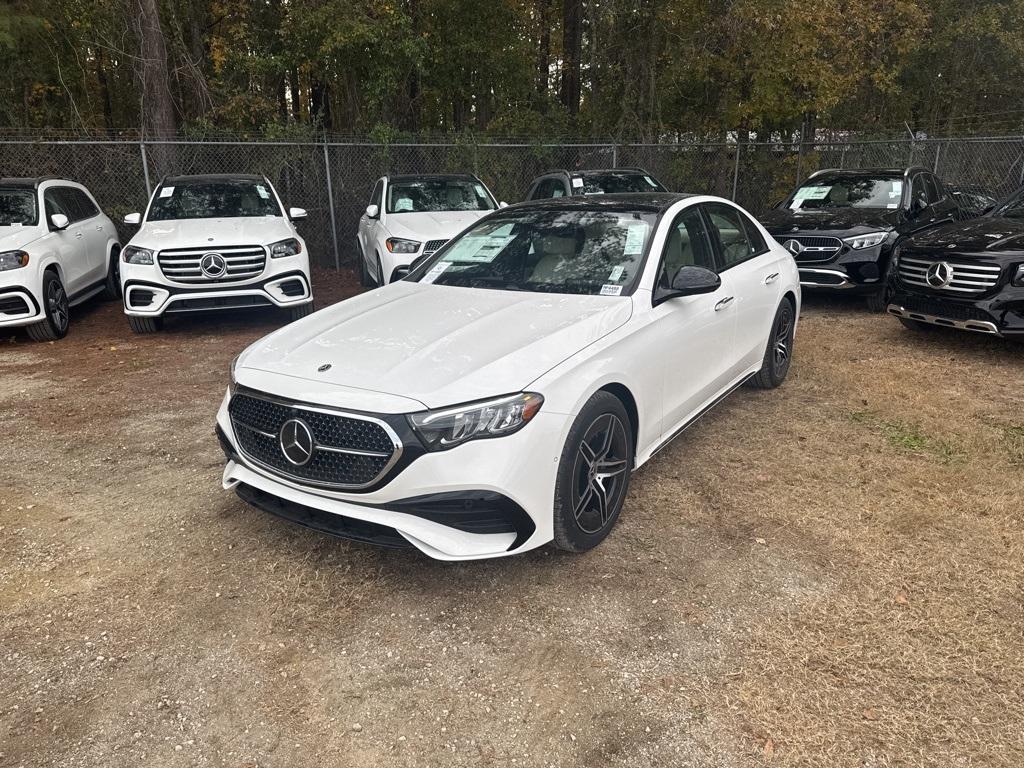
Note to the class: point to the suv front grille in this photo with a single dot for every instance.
(964, 277)
(433, 245)
(814, 248)
(237, 262)
(349, 451)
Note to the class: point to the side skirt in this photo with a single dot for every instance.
(86, 293)
(696, 417)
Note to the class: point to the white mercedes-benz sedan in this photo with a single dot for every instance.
(500, 396)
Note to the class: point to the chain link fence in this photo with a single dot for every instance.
(332, 180)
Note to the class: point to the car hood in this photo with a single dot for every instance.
(13, 238)
(986, 234)
(848, 221)
(431, 225)
(439, 345)
(183, 233)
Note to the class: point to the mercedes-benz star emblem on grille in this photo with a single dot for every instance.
(296, 440)
(324, 367)
(794, 246)
(213, 265)
(939, 275)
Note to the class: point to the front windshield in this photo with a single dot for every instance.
(222, 199)
(848, 192)
(438, 195)
(18, 206)
(581, 252)
(613, 183)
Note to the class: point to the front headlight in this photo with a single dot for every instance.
(1018, 278)
(289, 247)
(398, 245)
(445, 428)
(12, 260)
(870, 240)
(135, 255)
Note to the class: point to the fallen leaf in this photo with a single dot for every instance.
(869, 714)
(901, 598)
(769, 747)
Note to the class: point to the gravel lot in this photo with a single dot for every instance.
(828, 574)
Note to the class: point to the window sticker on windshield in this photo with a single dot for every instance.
(635, 234)
(611, 290)
(812, 193)
(435, 272)
(897, 189)
(577, 182)
(482, 249)
(403, 204)
(262, 192)
(892, 206)
(166, 191)
(616, 274)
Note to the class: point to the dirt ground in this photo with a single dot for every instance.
(828, 574)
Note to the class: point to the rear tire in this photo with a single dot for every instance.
(779, 354)
(303, 310)
(593, 474)
(112, 288)
(56, 311)
(143, 325)
(916, 325)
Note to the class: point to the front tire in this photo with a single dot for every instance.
(301, 311)
(112, 288)
(144, 325)
(593, 474)
(54, 324)
(779, 354)
(365, 279)
(380, 274)
(877, 302)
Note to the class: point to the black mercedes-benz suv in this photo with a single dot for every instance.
(842, 225)
(968, 275)
(593, 181)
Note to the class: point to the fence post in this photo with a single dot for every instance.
(145, 169)
(615, 155)
(842, 158)
(736, 172)
(799, 160)
(330, 206)
(938, 154)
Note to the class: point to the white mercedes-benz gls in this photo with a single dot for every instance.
(499, 397)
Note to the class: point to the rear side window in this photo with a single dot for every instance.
(732, 234)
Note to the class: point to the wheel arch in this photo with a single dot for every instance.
(625, 396)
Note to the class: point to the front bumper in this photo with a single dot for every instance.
(20, 303)
(147, 293)
(486, 498)
(1000, 315)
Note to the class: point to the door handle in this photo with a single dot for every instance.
(78, 235)
(99, 227)
(771, 278)
(724, 303)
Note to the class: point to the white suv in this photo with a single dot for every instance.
(57, 249)
(212, 242)
(410, 217)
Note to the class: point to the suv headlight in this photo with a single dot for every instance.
(289, 247)
(398, 245)
(1018, 278)
(12, 260)
(445, 428)
(870, 240)
(135, 255)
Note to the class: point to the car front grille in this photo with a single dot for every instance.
(236, 262)
(812, 248)
(349, 451)
(961, 277)
(433, 245)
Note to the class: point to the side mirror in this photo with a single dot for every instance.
(59, 221)
(133, 218)
(917, 205)
(503, 204)
(297, 213)
(372, 211)
(693, 280)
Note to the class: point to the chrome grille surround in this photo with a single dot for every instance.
(182, 265)
(969, 278)
(336, 464)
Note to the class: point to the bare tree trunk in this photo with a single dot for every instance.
(320, 104)
(157, 104)
(544, 47)
(101, 79)
(572, 40)
(293, 82)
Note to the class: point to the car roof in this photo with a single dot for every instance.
(591, 171)
(25, 182)
(432, 177)
(654, 202)
(893, 173)
(207, 177)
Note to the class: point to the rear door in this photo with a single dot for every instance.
(752, 272)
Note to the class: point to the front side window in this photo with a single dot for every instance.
(222, 199)
(732, 234)
(847, 192)
(56, 202)
(580, 252)
(687, 245)
(548, 188)
(614, 183)
(18, 206)
(377, 196)
(439, 195)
